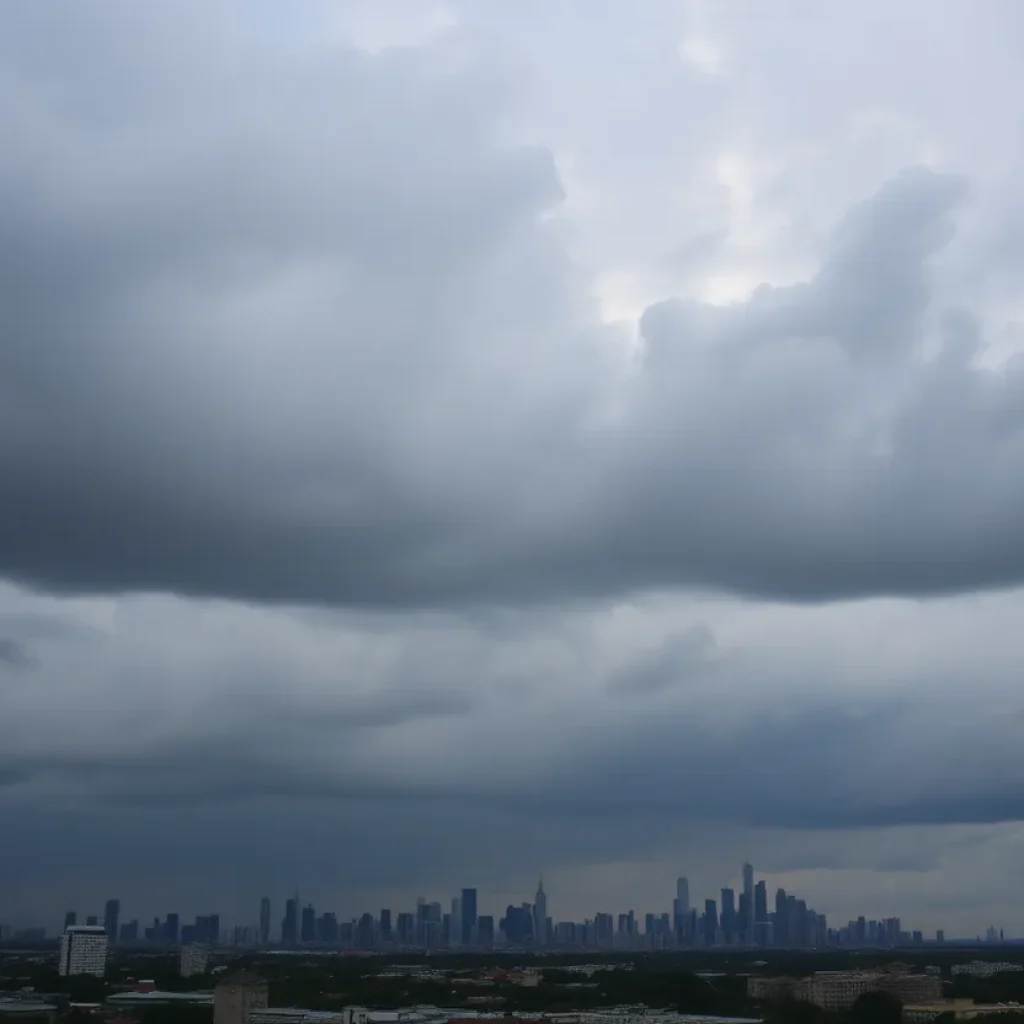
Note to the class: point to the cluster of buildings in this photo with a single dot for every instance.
(839, 990)
(744, 918)
(920, 994)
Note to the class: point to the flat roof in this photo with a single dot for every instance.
(15, 1006)
(156, 996)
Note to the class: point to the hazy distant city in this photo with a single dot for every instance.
(750, 918)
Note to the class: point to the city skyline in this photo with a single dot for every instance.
(442, 447)
(748, 916)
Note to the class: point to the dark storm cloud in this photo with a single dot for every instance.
(794, 767)
(301, 333)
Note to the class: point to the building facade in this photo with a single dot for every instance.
(83, 950)
(236, 998)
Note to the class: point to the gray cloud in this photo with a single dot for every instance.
(681, 656)
(290, 360)
(14, 654)
(309, 337)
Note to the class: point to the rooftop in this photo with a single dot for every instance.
(156, 996)
(241, 978)
(10, 1007)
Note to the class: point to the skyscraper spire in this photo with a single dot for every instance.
(540, 915)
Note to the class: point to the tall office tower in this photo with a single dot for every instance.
(111, 913)
(265, 921)
(683, 895)
(171, 929)
(781, 918)
(385, 925)
(710, 922)
(308, 933)
(214, 929)
(455, 923)
(760, 902)
(92, 921)
(290, 923)
(83, 950)
(468, 916)
(729, 916)
(70, 918)
(540, 916)
(748, 893)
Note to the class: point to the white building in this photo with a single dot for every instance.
(194, 960)
(83, 950)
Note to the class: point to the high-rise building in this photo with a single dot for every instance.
(683, 895)
(83, 950)
(760, 902)
(540, 916)
(265, 921)
(748, 893)
(385, 925)
(729, 915)
(70, 918)
(290, 924)
(782, 937)
(111, 914)
(710, 922)
(172, 929)
(308, 933)
(468, 916)
(455, 923)
(92, 921)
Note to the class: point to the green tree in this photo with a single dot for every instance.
(877, 1008)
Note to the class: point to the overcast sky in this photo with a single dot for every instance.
(445, 444)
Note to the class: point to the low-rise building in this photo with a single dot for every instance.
(959, 1009)
(985, 968)
(839, 990)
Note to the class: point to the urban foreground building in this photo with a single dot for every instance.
(83, 950)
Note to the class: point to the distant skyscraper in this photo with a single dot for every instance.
(455, 923)
(540, 916)
(308, 923)
(265, 921)
(468, 916)
(782, 937)
(70, 918)
(290, 924)
(683, 895)
(729, 915)
(92, 920)
(710, 922)
(110, 916)
(748, 893)
(172, 929)
(760, 902)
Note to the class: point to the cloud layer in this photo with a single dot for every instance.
(307, 332)
(438, 449)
